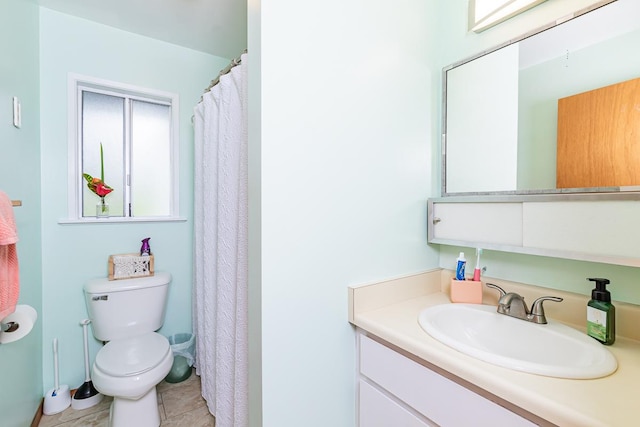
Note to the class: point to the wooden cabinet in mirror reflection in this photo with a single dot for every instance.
(599, 137)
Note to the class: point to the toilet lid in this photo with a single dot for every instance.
(132, 356)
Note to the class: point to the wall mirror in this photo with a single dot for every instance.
(500, 120)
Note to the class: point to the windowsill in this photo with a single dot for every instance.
(120, 220)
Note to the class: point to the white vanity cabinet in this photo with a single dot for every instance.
(395, 391)
(582, 227)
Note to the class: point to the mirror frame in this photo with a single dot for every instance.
(443, 133)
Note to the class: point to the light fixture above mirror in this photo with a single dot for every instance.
(484, 14)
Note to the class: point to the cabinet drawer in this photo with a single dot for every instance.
(378, 410)
(429, 393)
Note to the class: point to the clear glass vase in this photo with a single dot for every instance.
(102, 209)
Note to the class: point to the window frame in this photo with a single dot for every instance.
(75, 181)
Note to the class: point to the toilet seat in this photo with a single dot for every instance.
(132, 356)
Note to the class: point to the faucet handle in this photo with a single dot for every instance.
(537, 310)
(496, 287)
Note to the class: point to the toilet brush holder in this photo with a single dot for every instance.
(57, 400)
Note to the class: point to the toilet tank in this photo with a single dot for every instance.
(125, 308)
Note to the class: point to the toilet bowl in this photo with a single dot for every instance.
(129, 370)
(125, 314)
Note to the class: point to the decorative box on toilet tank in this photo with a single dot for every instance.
(128, 266)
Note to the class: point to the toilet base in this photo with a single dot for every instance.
(141, 412)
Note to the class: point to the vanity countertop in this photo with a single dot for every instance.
(390, 312)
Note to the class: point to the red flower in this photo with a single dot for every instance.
(101, 189)
(97, 185)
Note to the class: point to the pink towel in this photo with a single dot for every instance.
(9, 273)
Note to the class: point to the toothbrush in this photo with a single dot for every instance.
(476, 271)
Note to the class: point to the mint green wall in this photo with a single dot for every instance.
(457, 44)
(74, 253)
(21, 377)
(552, 273)
(344, 144)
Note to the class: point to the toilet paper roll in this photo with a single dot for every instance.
(25, 317)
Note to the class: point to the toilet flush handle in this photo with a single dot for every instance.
(100, 298)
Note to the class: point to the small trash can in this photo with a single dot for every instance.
(183, 347)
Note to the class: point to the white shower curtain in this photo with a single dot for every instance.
(220, 259)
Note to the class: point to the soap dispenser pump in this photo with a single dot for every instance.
(601, 314)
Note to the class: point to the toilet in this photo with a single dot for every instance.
(125, 314)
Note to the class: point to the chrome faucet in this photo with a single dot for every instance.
(512, 304)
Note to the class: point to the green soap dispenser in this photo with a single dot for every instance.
(601, 314)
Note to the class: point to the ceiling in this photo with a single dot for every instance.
(217, 27)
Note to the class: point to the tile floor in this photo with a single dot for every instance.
(179, 404)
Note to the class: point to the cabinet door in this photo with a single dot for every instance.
(439, 399)
(584, 227)
(489, 223)
(378, 410)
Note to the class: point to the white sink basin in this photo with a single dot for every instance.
(553, 350)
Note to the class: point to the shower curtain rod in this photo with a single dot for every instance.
(234, 62)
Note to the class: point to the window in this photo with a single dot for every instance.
(128, 135)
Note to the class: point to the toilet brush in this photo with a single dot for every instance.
(86, 395)
(58, 398)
